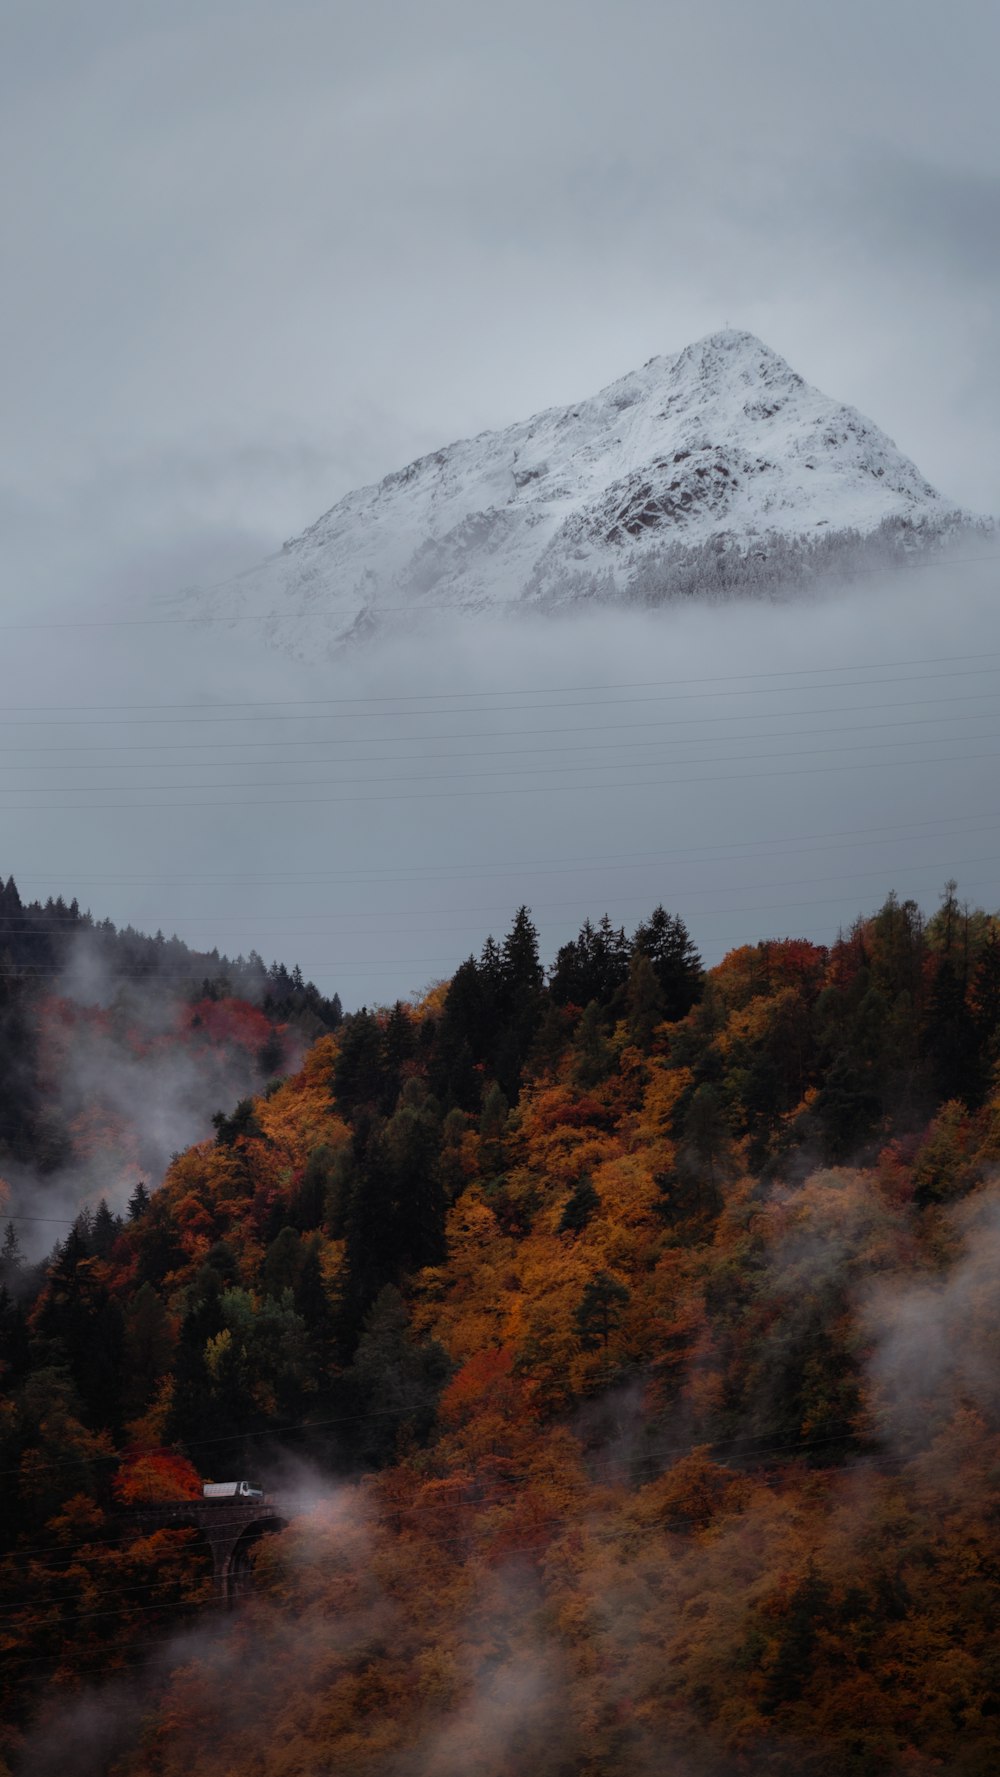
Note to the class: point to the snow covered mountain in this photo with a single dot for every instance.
(717, 470)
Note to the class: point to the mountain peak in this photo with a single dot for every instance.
(712, 448)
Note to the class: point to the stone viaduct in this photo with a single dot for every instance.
(230, 1527)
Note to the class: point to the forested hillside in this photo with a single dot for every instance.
(116, 1048)
(625, 1339)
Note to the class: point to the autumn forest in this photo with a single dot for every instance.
(619, 1340)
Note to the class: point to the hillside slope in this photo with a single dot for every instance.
(625, 1343)
(116, 1049)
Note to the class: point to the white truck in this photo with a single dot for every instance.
(231, 1490)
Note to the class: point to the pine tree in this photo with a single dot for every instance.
(395, 1379)
(951, 1037)
(138, 1203)
(11, 1259)
(149, 1347)
(986, 996)
(360, 1076)
(521, 972)
(582, 1204)
(105, 1230)
(594, 1058)
(600, 1311)
(664, 938)
(593, 966)
(644, 1001)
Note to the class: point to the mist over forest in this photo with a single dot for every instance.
(777, 763)
(499, 909)
(551, 1290)
(607, 1304)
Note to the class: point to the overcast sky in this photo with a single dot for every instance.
(255, 255)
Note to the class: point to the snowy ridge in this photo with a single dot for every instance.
(720, 445)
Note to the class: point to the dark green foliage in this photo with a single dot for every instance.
(521, 973)
(453, 1132)
(81, 1325)
(847, 1106)
(158, 1250)
(952, 1039)
(148, 1347)
(394, 1216)
(399, 1040)
(491, 1013)
(705, 1160)
(897, 948)
(363, 1074)
(240, 1124)
(600, 1310)
(309, 1201)
(192, 1413)
(593, 966)
(492, 1129)
(312, 1303)
(282, 1263)
(11, 1259)
(582, 1203)
(104, 1231)
(808, 1610)
(594, 1057)
(394, 1382)
(49, 1420)
(14, 1342)
(985, 996)
(644, 1001)
(138, 1203)
(665, 940)
(240, 1363)
(271, 1055)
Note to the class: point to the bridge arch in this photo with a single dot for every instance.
(236, 1578)
(230, 1529)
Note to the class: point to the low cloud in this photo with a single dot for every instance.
(936, 1338)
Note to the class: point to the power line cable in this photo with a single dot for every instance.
(109, 712)
(773, 845)
(349, 603)
(14, 926)
(418, 795)
(753, 1448)
(521, 733)
(533, 752)
(556, 690)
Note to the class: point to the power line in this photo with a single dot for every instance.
(14, 926)
(773, 845)
(752, 1449)
(532, 752)
(478, 775)
(111, 711)
(480, 794)
(176, 746)
(383, 965)
(350, 603)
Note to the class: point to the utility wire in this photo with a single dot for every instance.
(533, 752)
(175, 746)
(756, 1447)
(480, 794)
(349, 603)
(435, 873)
(109, 712)
(603, 685)
(15, 925)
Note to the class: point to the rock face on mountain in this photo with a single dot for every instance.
(715, 471)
